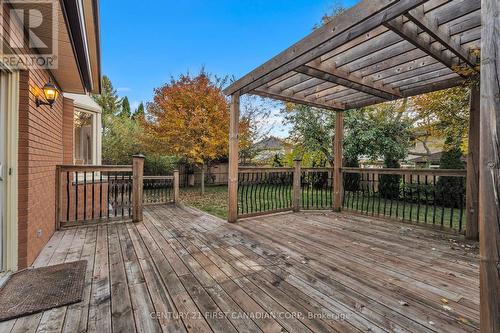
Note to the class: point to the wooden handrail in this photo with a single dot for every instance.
(263, 169)
(158, 177)
(95, 168)
(393, 171)
(321, 169)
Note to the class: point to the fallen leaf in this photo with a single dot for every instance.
(447, 308)
(403, 303)
(463, 320)
(444, 300)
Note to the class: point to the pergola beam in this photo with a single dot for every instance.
(428, 23)
(411, 34)
(350, 81)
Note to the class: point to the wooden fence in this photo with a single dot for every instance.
(97, 194)
(431, 196)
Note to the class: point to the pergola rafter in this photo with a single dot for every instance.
(375, 52)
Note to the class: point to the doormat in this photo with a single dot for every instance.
(39, 289)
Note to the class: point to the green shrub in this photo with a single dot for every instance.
(450, 191)
(389, 185)
(159, 165)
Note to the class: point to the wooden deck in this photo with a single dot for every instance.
(182, 270)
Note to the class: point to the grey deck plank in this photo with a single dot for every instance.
(184, 270)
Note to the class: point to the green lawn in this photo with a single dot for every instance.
(214, 201)
(269, 197)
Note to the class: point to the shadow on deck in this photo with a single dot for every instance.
(182, 270)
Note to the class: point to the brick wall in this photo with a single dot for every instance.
(45, 140)
(41, 148)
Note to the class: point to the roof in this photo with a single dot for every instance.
(374, 52)
(270, 143)
(84, 102)
(433, 158)
(76, 34)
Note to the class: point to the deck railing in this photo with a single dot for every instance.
(431, 196)
(160, 189)
(88, 194)
(96, 194)
(316, 186)
(264, 190)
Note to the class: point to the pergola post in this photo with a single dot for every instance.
(337, 161)
(489, 169)
(234, 117)
(472, 231)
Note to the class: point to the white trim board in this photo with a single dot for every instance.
(10, 87)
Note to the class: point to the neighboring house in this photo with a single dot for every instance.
(432, 145)
(269, 147)
(431, 161)
(62, 36)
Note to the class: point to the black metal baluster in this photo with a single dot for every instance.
(129, 194)
(68, 184)
(242, 203)
(426, 197)
(434, 199)
(410, 187)
(100, 195)
(363, 192)
(453, 201)
(76, 196)
(85, 195)
(404, 196)
(393, 191)
(109, 194)
(461, 204)
(418, 198)
(249, 187)
(378, 194)
(115, 195)
(245, 188)
(122, 189)
(93, 193)
(281, 189)
(260, 184)
(373, 193)
(442, 206)
(270, 191)
(251, 179)
(308, 189)
(390, 193)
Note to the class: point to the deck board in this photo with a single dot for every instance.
(182, 270)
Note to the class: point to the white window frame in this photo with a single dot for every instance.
(11, 91)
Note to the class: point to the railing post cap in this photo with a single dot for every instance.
(138, 156)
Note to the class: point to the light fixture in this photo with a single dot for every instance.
(50, 92)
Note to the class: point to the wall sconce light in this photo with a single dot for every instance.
(50, 92)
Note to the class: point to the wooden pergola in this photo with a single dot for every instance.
(383, 50)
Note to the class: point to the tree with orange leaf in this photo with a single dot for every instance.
(189, 118)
